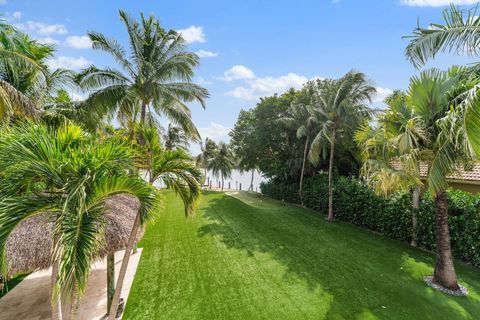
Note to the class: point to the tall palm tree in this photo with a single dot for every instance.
(222, 162)
(301, 120)
(339, 107)
(156, 75)
(430, 141)
(177, 171)
(460, 33)
(208, 150)
(69, 174)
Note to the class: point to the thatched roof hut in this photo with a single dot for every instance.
(29, 247)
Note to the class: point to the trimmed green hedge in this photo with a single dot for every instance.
(356, 203)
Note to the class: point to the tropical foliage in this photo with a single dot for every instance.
(62, 172)
(222, 162)
(156, 76)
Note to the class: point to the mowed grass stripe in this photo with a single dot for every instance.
(249, 257)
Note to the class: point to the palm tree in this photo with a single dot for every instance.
(390, 151)
(460, 34)
(25, 79)
(156, 74)
(222, 162)
(429, 140)
(69, 174)
(338, 106)
(177, 171)
(302, 121)
(175, 138)
(208, 149)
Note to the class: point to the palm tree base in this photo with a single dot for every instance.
(460, 292)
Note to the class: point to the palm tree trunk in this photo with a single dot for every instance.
(251, 181)
(330, 176)
(205, 176)
(74, 304)
(123, 269)
(56, 305)
(222, 182)
(444, 273)
(143, 113)
(110, 279)
(415, 206)
(303, 171)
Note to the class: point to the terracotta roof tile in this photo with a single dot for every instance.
(472, 174)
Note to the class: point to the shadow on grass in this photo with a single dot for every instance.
(367, 275)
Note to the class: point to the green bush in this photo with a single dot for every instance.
(356, 203)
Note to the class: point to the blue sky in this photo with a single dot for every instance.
(250, 48)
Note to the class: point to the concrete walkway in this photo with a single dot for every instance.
(30, 299)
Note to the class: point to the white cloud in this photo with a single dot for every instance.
(238, 72)
(201, 81)
(436, 3)
(68, 63)
(192, 34)
(268, 86)
(78, 42)
(48, 40)
(206, 54)
(42, 28)
(215, 131)
(13, 16)
(382, 93)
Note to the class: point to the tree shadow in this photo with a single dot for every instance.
(367, 275)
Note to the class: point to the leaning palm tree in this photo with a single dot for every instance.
(222, 162)
(339, 107)
(302, 121)
(177, 171)
(70, 175)
(156, 76)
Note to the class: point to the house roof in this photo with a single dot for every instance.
(471, 174)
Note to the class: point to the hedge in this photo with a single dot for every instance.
(356, 203)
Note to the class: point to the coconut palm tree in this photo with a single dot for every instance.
(222, 162)
(208, 149)
(69, 174)
(25, 78)
(177, 171)
(156, 76)
(339, 107)
(302, 121)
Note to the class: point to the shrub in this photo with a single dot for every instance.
(356, 203)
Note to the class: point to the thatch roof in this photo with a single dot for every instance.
(29, 247)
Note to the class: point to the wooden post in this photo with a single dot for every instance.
(110, 279)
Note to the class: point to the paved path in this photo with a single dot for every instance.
(30, 299)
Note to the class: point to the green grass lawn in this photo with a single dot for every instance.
(248, 257)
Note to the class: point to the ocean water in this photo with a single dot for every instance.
(233, 182)
(238, 178)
